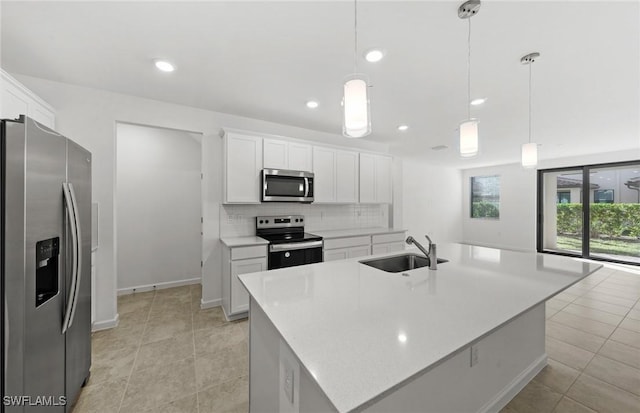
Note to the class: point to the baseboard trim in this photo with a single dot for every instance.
(512, 389)
(210, 303)
(158, 286)
(105, 324)
(235, 317)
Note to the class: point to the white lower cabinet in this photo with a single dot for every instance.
(386, 243)
(343, 248)
(386, 248)
(237, 261)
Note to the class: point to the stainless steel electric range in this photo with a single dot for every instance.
(289, 245)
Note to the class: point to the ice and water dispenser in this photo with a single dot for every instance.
(47, 253)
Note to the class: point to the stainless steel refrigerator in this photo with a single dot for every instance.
(46, 267)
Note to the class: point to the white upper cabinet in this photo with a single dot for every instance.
(367, 178)
(275, 154)
(347, 177)
(383, 179)
(16, 100)
(280, 154)
(300, 157)
(324, 169)
(375, 179)
(336, 175)
(242, 168)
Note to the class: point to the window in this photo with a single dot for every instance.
(485, 197)
(602, 225)
(603, 196)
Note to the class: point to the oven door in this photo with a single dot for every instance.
(287, 186)
(294, 253)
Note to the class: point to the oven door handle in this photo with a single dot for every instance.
(295, 246)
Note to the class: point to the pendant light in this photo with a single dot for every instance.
(469, 128)
(529, 149)
(356, 121)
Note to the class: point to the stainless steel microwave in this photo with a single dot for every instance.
(279, 185)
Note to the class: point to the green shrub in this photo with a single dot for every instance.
(482, 209)
(610, 220)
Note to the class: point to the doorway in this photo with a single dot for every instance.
(591, 211)
(158, 207)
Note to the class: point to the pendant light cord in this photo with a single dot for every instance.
(469, 71)
(530, 64)
(355, 36)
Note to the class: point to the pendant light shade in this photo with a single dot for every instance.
(469, 138)
(530, 149)
(529, 155)
(357, 119)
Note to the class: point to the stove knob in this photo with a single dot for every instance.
(301, 219)
(266, 222)
(296, 219)
(261, 221)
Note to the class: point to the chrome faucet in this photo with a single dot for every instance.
(430, 253)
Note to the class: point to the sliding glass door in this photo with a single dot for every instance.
(592, 211)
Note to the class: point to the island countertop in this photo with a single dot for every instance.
(360, 331)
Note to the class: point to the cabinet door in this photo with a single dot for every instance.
(383, 179)
(358, 252)
(18, 100)
(324, 167)
(336, 255)
(300, 157)
(275, 154)
(347, 177)
(239, 295)
(243, 165)
(367, 178)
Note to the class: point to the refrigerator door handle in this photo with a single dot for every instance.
(74, 247)
(79, 256)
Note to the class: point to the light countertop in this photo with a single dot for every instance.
(355, 232)
(361, 331)
(243, 241)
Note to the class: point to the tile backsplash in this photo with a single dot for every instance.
(240, 220)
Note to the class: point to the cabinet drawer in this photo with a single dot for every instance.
(384, 238)
(346, 242)
(241, 253)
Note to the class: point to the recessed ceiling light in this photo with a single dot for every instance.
(403, 128)
(312, 104)
(439, 147)
(164, 66)
(478, 101)
(374, 55)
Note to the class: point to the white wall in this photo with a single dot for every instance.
(89, 116)
(516, 228)
(431, 202)
(158, 207)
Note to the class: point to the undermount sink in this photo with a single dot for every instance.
(399, 263)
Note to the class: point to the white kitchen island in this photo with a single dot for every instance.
(343, 336)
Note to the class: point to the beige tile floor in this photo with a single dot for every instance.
(167, 355)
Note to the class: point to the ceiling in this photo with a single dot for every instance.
(266, 59)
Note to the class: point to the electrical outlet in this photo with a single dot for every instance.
(474, 356)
